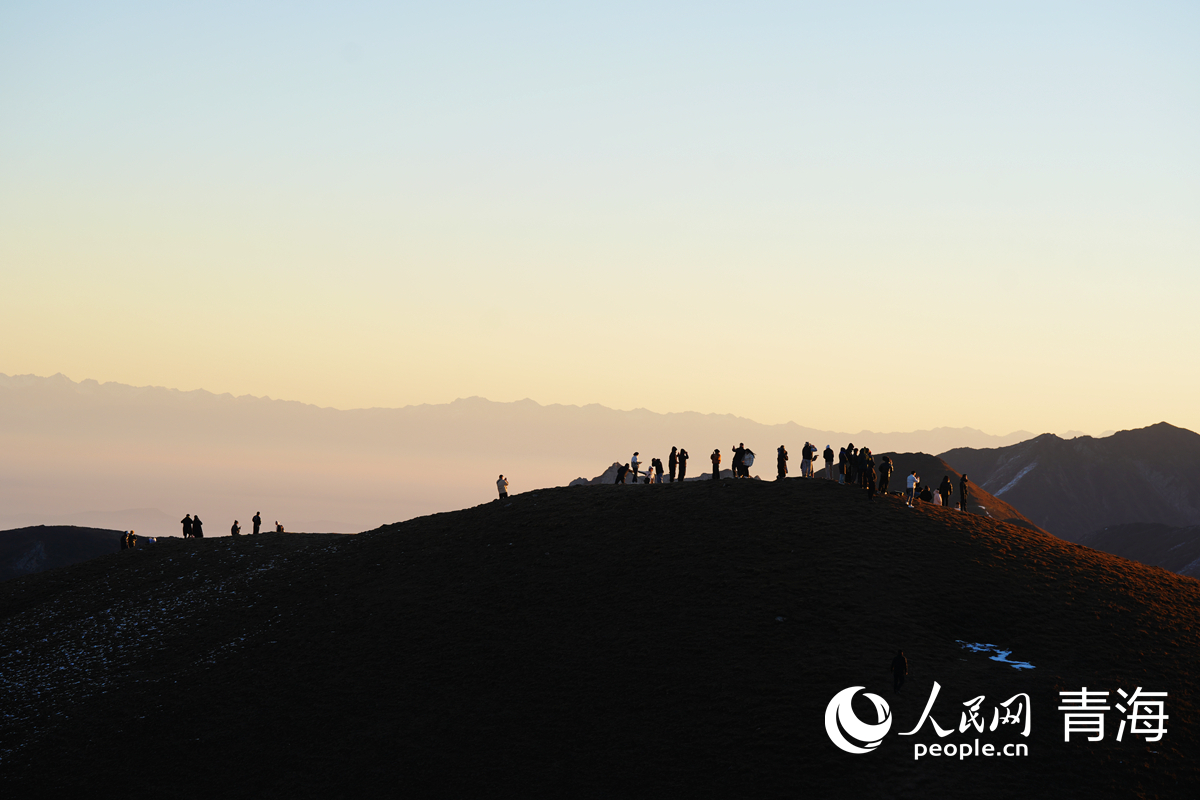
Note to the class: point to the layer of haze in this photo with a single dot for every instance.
(892, 216)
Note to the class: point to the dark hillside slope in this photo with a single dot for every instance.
(27, 550)
(1176, 549)
(1076, 486)
(604, 642)
(931, 469)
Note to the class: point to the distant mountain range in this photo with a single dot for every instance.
(1075, 487)
(73, 446)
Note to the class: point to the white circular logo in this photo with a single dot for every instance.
(839, 716)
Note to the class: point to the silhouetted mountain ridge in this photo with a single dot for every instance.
(599, 642)
(1073, 487)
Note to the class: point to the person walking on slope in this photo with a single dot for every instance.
(235, 529)
(885, 473)
(964, 490)
(716, 462)
(197, 527)
(828, 462)
(187, 526)
(633, 466)
(911, 489)
(781, 461)
(945, 489)
(672, 463)
(257, 520)
(501, 486)
(899, 670)
(683, 458)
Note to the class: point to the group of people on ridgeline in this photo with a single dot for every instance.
(656, 473)
(130, 540)
(193, 527)
(853, 465)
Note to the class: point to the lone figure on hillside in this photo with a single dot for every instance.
(235, 529)
(964, 491)
(502, 486)
(683, 457)
(716, 462)
(673, 462)
(187, 526)
(257, 522)
(899, 670)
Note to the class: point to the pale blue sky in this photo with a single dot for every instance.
(371, 204)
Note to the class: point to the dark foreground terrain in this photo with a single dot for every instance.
(595, 642)
(24, 551)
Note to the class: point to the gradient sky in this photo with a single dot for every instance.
(879, 215)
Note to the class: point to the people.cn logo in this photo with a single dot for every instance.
(839, 716)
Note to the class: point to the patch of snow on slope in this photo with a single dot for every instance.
(1015, 480)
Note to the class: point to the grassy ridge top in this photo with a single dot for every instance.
(591, 641)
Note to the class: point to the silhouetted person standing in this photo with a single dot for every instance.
(633, 466)
(782, 463)
(672, 463)
(739, 453)
(502, 486)
(187, 526)
(964, 491)
(716, 462)
(870, 476)
(235, 530)
(125, 541)
(658, 469)
(197, 528)
(842, 466)
(885, 474)
(899, 670)
(828, 462)
(683, 459)
(945, 489)
(257, 522)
